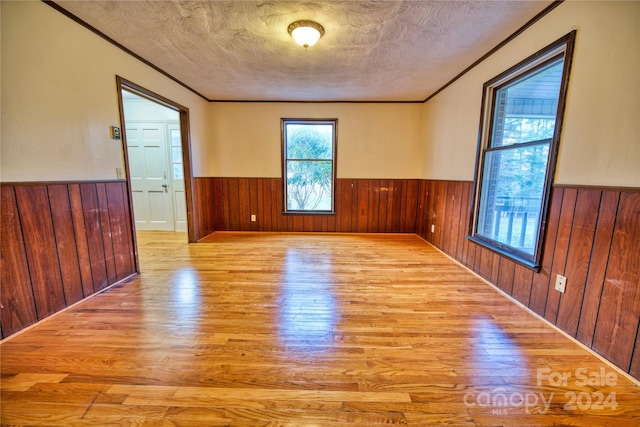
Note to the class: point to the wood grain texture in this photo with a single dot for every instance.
(105, 228)
(40, 247)
(120, 233)
(561, 251)
(65, 242)
(82, 246)
(578, 259)
(619, 312)
(95, 242)
(578, 243)
(361, 205)
(53, 246)
(297, 329)
(542, 280)
(16, 296)
(598, 266)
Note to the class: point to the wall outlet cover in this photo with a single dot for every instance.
(561, 283)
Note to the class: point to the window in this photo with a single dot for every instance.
(518, 141)
(309, 165)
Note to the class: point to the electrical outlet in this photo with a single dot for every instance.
(433, 228)
(119, 174)
(561, 282)
(253, 218)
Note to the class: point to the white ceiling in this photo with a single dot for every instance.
(371, 50)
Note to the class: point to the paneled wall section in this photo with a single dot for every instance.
(592, 238)
(362, 206)
(60, 243)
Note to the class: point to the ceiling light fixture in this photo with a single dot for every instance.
(306, 33)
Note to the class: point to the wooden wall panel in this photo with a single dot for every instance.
(578, 258)
(53, 240)
(619, 312)
(522, 279)
(65, 242)
(82, 245)
(362, 205)
(598, 266)
(93, 229)
(561, 251)
(16, 296)
(40, 246)
(105, 227)
(592, 236)
(541, 280)
(121, 237)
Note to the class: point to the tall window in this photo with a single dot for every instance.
(518, 142)
(309, 165)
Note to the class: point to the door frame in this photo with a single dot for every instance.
(185, 136)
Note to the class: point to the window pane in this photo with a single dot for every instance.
(309, 185)
(309, 141)
(177, 171)
(175, 137)
(511, 195)
(176, 155)
(526, 110)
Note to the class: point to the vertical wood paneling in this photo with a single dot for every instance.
(16, 296)
(522, 284)
(583, 229)
(485, 263)
(216, 206)
(94, 235)
(447, 217)
(82, 246)
(592, 237)
(619, 312)
(105, 226)
(362, 205)
(541, 281)
(53, 240)
(233, 185)
(65, 242)
(455, 218)
(121, 238)
(244, 202)
(561, 251)
(411, 206)
(505, 275)
(40, 247)
(598, 266)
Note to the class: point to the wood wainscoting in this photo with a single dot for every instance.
(361, 205)
(592, 237)
(61, 242)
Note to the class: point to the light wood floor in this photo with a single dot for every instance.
(304, 330)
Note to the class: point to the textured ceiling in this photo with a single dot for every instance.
(371, 50)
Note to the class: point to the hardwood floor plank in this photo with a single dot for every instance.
(302, 329)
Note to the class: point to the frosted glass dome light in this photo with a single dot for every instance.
(306, 33)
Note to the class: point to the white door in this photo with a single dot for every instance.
(176, 173)
(149, 174)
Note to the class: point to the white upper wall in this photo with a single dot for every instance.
(59, 98)
(374, 140)
(600, 141)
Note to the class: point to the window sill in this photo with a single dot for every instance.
(534, 266)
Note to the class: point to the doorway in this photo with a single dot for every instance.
(156, 150)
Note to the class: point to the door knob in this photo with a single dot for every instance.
(164, 186)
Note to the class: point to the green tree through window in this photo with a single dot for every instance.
(309, 165)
